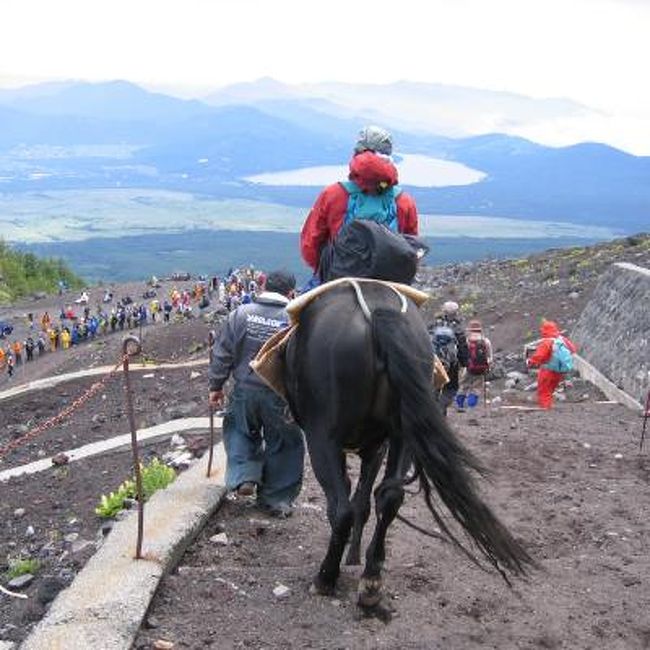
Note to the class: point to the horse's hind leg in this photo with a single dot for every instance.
(370, 464)
(329, 467)
(389, 496)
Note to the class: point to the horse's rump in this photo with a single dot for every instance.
(334, 377)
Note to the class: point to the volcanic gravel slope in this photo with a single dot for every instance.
(570, 483)
(50, 516)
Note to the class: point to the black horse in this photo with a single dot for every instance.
(360, 379)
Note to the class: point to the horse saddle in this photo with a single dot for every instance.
(268, 363)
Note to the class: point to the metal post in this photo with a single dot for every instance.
(134, 438)
(646, 415)
(211, 412)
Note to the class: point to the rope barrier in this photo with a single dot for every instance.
(61, 416)
(135, 346)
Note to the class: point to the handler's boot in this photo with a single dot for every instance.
(246, 489)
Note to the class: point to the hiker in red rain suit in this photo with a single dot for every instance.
(371, 171)
(547, 380)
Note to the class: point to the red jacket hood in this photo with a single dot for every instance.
(549, 329)
(368, 170)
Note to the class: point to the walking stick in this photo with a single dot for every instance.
(485, 404)
(211, 412)
(645, 420)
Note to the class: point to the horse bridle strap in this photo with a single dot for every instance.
(355, 282)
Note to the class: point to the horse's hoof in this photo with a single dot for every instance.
(379, 612)
(319, 588)
(353, 559)
(369, 592)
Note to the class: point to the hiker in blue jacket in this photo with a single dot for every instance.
(265, 451)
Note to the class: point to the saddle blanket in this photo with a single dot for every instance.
(268, 363)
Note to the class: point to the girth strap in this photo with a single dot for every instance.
(355, 282)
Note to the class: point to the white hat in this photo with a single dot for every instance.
(450, 307)
(374, 138)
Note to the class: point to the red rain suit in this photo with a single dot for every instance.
(367, 170)
(548, 380)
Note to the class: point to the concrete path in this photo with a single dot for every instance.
(102, 446)
(49, 382)
(106, 604)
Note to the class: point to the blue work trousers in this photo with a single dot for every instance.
(263, 446)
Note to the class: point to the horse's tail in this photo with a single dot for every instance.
(443, 460)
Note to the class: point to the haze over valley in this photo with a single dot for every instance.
(90, 162)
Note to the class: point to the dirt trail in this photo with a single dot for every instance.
(558, 482)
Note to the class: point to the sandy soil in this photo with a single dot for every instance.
(570, 484)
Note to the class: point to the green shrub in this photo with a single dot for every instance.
(25, 273)
(155, 476)
(22, 566)
(110, 505)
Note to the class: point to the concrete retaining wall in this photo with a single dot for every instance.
(613, 332)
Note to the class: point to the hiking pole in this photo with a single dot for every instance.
(645, 420)
(134, 438)
(485, 392)
(211, 412)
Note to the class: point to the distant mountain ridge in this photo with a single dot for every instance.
(453, 111)
(56, 136)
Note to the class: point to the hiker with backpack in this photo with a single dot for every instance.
(554, 358)
(264, 449)
(450, 346)
(479, 359)
(370, 194)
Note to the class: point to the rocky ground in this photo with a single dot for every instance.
(570, 483)
(49, 517)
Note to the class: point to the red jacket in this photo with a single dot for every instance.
(550, 331)
(324, 221)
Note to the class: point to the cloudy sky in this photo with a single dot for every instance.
(592, 51)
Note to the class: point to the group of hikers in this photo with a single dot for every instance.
(78, 323)
(365, 226)
(49, 334)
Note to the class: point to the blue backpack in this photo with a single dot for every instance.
(445, 345)
(380, 208)
(561, 358)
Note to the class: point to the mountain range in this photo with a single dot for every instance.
(86, 136)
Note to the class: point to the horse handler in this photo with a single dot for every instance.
(264, 450)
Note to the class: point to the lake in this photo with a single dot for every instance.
(414, 169)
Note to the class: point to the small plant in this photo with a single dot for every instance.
(155, 476)
(22, 566)
(110, 505)
(467, 309)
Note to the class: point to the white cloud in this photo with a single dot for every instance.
(593, 51)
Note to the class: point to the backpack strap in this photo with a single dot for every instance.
(354, 192)
(350, 187)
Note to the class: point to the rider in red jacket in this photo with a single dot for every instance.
(372, 171)
(547, 380)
